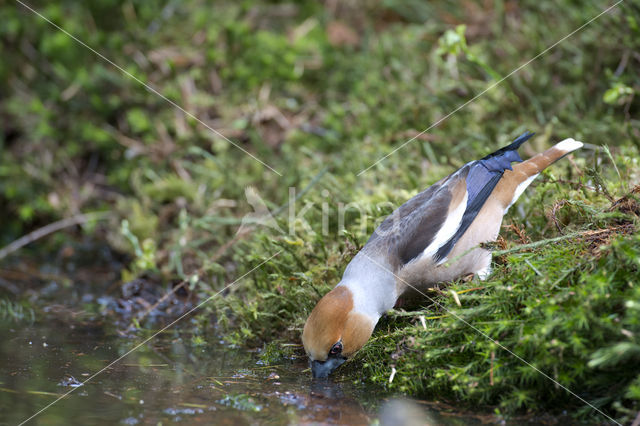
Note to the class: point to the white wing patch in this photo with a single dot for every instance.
(448, 229)
(520, 189)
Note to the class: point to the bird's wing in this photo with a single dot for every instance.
(433, 221)
(424, 222)
(481, 180)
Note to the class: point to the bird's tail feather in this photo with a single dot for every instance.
(538, 163)
(515, 181)
(501, 159)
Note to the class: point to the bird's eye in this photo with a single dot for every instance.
(336, 349)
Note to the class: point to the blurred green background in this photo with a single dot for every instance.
(300, 85)
(321, 91)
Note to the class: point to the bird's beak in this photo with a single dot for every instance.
(322, 369)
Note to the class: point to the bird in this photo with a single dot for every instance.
(434, 237)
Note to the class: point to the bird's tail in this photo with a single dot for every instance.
(501, 159)
(515, 181)
(535, 165)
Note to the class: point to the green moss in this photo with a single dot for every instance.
(567, 310)
(80, 136)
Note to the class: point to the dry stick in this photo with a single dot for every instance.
(557, 206)
(51, 228)
(551, 240)
(486, 246)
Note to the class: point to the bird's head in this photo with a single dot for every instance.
(334, 331)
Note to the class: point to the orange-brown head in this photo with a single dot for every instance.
(334, 331)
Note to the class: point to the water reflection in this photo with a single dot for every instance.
(169, 380)
(172, 379)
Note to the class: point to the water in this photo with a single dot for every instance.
(172, 379)
(165, 381)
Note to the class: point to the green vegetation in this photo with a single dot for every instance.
(15, 312)
(319, 93)
(569, 309)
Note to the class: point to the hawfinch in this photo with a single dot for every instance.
(433, 237)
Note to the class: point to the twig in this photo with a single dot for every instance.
(548, 241)
(625, 197)
(51, 228)
(520, 232)
(575, 166)
(539, 243)
(557, 206)
(570, 182)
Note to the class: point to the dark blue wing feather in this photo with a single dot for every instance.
(482, 179)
